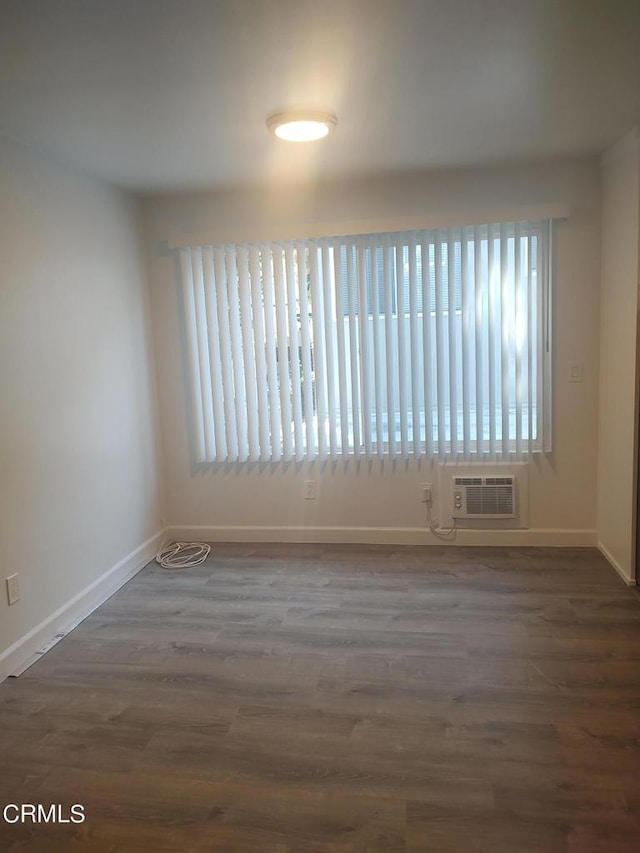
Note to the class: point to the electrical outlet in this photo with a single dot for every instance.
(13, 589)
(310, 490)
(426, 493)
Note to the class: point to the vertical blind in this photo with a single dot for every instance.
(421, 343)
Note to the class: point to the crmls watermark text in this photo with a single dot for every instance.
(39, 813)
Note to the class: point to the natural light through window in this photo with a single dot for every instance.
(408, 344)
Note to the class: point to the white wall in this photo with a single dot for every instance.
(618, 364)
(79, 484)
(263, 501)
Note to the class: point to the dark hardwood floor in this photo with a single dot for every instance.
(307, 698)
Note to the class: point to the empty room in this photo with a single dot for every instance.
(319, 414)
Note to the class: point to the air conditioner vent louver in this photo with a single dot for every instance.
(484, 497)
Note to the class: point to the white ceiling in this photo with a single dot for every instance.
(159, 95)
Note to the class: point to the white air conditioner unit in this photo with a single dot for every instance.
(484, 497)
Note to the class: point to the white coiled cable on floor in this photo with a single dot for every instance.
(182, 555)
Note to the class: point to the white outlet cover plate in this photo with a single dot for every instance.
(13, 589)
(310, 490)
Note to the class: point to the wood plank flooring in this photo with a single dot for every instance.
(311, 699)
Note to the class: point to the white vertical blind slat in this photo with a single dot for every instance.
(365, 349)
(197, 416)
(215, 356)
(226, 354)
(479, 275)
(403, 398)
(248, 354)
(352, 289)
(319, 358)
(493, 317)
(203, 355)
(340, 288)
(427, 367)
(294, 349)
(305, 343)
(284, 381)
(452, 360)
(330, 324)
(390, 345)
(271, 354)
(378, 355)
(518, 311)
(440, 349)
(539, 332)
(504, 339)
(235, 324)
(257, 325)
(467, 335)
(417, 404)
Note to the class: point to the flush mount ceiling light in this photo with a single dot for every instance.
(302, 125)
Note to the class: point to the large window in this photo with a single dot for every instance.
(431, 343)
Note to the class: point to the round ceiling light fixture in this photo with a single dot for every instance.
(301, 125)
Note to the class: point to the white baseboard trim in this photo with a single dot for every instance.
(616, 565)
(44, 636)
(384, 536)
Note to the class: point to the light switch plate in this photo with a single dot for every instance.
(575, 371)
